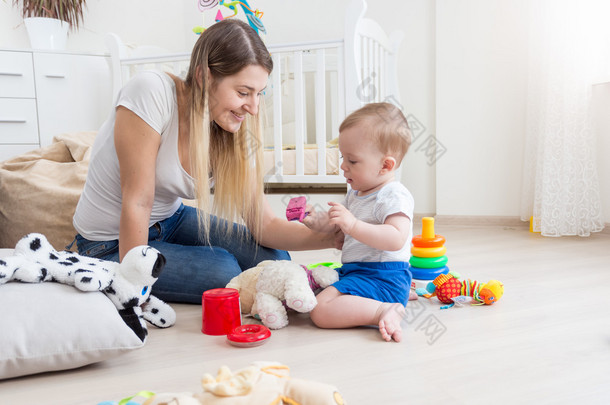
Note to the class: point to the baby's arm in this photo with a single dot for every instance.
(389, 236)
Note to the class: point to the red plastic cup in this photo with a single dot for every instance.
(221, 312)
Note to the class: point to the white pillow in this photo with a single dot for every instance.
(51, 326)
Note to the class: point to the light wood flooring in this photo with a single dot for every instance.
(547, 341)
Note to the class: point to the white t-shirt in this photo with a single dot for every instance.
(374, 209)
(152, 96)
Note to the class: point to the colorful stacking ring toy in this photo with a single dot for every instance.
(434, 241)
(428, 274)
(428, 262)
(428, 258)
(428, 252)
(249, 335)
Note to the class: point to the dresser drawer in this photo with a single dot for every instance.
(10, 151)
(18, 121)
(72, 93)
(16, 74)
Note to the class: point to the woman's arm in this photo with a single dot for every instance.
(278, 233)
(389, 236)
(137, 145)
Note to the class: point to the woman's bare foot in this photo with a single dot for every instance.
(389, 321)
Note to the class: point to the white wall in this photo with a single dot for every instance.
(416, 61)
(156, 22)
(169, 25)
(462, 76)
(481, 80)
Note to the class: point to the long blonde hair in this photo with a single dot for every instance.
(234, 160)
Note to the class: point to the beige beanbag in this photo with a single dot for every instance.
(39, 190)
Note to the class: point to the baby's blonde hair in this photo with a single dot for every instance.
(387, 127)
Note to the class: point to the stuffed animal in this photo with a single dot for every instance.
(263, 288)
(450, 290)
(127, 284)
(261, 383)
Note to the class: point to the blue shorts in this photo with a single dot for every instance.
(385, 282)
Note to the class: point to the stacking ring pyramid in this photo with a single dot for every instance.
(428, 258)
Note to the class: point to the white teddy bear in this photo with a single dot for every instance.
(127, 284)
(264, 288)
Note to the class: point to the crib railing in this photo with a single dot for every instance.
(321, 59)
(371, 68)
(329, 79)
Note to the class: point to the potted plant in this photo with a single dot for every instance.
(48, 21)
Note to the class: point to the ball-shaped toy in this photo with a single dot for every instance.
(450, 289)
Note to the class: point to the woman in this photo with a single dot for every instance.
(170, 139)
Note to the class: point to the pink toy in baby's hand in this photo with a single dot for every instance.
(296, 209)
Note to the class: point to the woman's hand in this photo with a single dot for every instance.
(318, 221)
(339, 239)
(278, 233)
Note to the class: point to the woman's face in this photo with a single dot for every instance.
(232, 97)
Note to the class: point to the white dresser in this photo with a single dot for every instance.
(44, 93)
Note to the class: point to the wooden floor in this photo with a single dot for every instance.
(546, 341)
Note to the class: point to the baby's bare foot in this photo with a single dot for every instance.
(389, 321)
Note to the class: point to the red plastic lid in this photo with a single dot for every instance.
(220, 293)
(249, 335)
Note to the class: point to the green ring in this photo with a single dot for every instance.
(331, 265)
(428, 262)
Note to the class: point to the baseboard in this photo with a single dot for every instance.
(478, 220)
(482, 220)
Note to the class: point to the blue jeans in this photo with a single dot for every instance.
(192, 266)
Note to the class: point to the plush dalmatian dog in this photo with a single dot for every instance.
(127, 284)
(36, 261)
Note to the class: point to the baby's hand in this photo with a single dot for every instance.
(340, 216)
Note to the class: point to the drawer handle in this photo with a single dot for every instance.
(56, 76)
(14, 121)
(10, 74)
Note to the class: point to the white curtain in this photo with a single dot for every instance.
(568, 52)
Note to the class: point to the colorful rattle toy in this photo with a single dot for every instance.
(428, 258)
(253, 16)
(449, 290)
(296, 209)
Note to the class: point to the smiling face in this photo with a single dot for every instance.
(364, 165)
(232, 97)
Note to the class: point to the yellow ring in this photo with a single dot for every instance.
(428, 252)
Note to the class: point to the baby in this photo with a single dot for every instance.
(376, 219)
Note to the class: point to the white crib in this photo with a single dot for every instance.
(314, 85)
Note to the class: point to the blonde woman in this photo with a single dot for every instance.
(169, 139)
